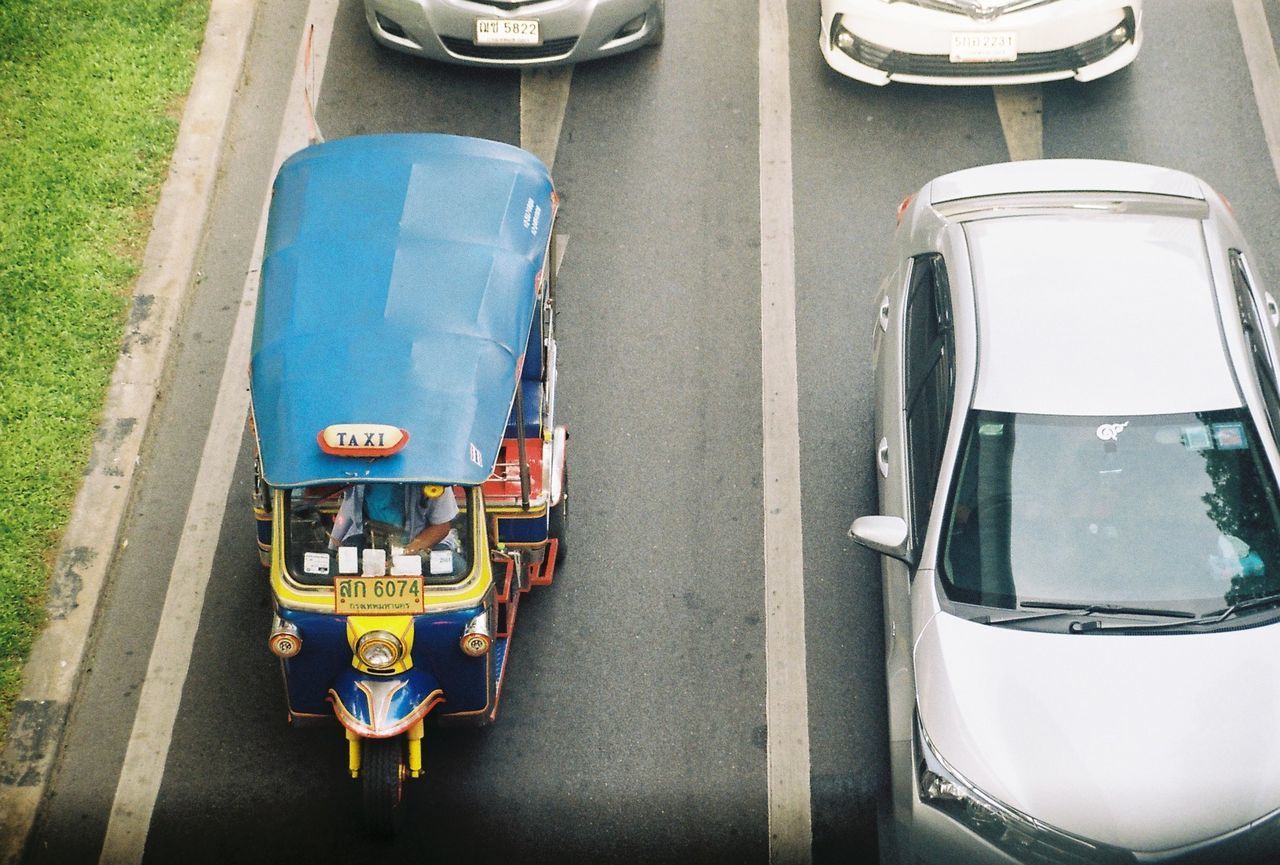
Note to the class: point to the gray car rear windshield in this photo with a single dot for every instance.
(1170, 511)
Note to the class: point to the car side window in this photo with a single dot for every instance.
(930, 380)
(1251, 323)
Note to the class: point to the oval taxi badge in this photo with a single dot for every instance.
(362, 439)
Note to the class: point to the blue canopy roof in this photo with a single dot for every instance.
(398, 285)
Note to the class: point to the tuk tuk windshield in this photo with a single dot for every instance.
(378, 529)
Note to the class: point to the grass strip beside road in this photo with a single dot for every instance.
(91, 95)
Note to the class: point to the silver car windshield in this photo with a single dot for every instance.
(1171, 511)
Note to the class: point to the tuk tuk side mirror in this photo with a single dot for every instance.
(885, 535)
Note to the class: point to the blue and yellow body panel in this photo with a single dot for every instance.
(405, 283)
(321, 679)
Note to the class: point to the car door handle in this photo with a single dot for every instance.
(882, 457)
(1273, 310)
(884, 314)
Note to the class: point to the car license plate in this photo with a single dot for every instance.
(983, 47)
(377, 596)
(508, 31)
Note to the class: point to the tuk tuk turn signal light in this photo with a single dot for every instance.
(476, 637)
(286, 639)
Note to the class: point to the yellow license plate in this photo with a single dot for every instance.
(377, 596)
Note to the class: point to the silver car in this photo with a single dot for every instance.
(1075, 437)
(515, 32)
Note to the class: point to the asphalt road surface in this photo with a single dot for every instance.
(633, 725)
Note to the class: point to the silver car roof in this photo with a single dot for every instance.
(1096, 313)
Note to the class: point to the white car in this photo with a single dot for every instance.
(979, 41)
(1076, 411)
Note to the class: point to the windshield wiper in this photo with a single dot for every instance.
(1207, 619)
(1237, 607)
(1119, 609)
(1062, 608)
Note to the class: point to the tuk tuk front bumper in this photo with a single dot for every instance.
(378, 707)
(321, 681)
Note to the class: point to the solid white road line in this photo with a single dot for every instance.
(1021, 109)
(544, 96)
(1260, 54)
(158, 704)
(786, 695)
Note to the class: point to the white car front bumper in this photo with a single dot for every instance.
(877, 42)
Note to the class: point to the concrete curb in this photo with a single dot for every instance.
(89, 544)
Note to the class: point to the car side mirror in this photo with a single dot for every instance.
(884, 535)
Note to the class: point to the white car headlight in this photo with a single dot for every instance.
(1018, 834)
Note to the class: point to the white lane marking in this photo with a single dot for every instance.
(561, 241)
(544, 97)
(1259, 53)
(787, 683)
(1021, 110)
(158, 704)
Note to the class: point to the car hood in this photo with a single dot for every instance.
(1144, 742)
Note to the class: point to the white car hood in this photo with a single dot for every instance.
(1145, 742)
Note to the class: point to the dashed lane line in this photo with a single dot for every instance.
(1021, 110)
(1264, 70)
(544, 97)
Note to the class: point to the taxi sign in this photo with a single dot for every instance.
(362, 439)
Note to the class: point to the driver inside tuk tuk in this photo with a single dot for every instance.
(412, 516)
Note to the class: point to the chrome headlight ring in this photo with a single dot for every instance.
(379, 650)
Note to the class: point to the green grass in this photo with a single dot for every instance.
(90, 98)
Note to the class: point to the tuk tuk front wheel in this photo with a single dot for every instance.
(382, 772)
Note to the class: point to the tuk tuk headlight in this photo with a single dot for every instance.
(1022, 836)
(379, 650)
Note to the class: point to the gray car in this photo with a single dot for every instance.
(515, 32)
(1075, 440)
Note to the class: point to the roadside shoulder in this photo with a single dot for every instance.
(89, 544)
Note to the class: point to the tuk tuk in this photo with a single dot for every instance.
(410, 479)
